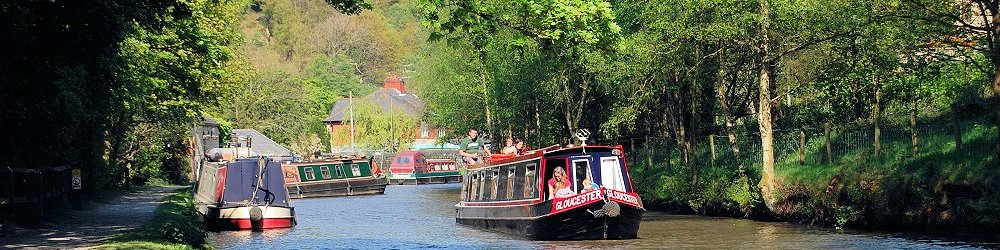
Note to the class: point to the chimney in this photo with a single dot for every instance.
(395, 81)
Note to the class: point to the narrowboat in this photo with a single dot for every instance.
(513, 195)
(414, 167)
(246, 193)
(338, 176)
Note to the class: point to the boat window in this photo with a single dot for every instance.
(510, 183)
(474, 187)
(340, 171)
(403, 160)
(482, 183)
(308, 172)
(611, 174)
(325, 170)
(581, 171)
(355, 170)
(495, 183)
(530, 180)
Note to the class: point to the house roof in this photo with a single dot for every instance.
(339, 110)
(390, 100)
(262, 145)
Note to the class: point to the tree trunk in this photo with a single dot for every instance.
(875, 117)
(767, 183)
(486, 102)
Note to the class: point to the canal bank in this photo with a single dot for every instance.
(423, 216)
(945, 186)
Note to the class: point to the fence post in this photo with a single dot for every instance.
(957, 126)
(802, 146)
(711, 143)
(829, 150)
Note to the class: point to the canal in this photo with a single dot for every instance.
(408, 217)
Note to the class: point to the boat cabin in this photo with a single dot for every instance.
(518, 178)
(408, 162)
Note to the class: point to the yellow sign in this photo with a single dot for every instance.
(77, 182)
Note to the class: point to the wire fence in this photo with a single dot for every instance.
(820, 146)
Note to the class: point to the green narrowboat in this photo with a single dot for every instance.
(349, 175)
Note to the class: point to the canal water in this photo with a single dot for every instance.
(409, 217)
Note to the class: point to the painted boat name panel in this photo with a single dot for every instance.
(569, 203)
(623, 197)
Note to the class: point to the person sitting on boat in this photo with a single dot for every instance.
(559, 184)
(589, 185)
(509, 147)
(470, 147)
(519, 145)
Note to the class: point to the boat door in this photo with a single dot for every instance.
(580, 170)
(611, 173)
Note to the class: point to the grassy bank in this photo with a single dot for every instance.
(176, 225)
(942, 188)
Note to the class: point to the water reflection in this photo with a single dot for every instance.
(409, 217)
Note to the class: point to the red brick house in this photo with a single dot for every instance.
(391, 98)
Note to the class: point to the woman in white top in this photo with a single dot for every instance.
(509, 147)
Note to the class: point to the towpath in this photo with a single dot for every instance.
(97, 222)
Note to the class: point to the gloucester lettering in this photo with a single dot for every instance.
(578, 200)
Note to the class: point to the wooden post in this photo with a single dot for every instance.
(958, 127)
(829, 150)
(711, 144)
(802, 146)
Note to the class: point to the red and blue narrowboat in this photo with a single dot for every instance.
(334, 176)
(246, 193)
(555, 193)
(414, 167)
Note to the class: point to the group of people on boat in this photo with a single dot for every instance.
(470, 147)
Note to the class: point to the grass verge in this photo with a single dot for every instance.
(176, 225)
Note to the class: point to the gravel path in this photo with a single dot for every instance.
(100, 221)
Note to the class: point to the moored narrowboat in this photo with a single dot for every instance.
(246, 193)
(340, 176)
(520, 195)
(414, 167)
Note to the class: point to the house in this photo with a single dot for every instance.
(392, 97)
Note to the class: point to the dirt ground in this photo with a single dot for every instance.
(87, 228)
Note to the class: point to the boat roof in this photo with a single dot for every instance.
(546, 151)
(409, 153)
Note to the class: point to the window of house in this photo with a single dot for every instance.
(355, 170)
(309, 173)
(530, 180)
(325, 170)
(424, 132)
